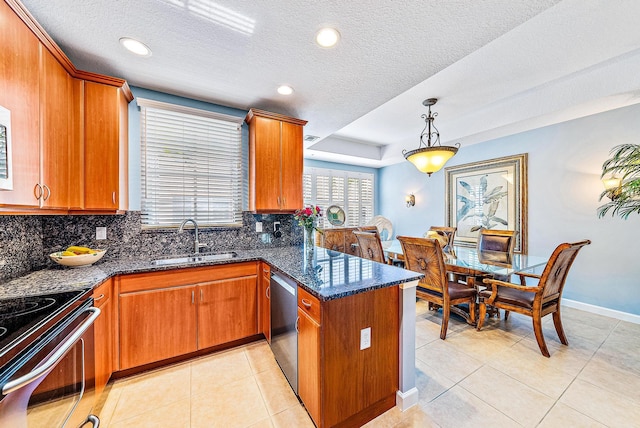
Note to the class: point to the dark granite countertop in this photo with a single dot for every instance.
(325, 274)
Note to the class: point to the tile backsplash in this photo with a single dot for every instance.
(26, 241)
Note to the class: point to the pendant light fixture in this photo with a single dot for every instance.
(430, 156)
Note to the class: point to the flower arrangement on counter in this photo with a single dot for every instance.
(308, 217)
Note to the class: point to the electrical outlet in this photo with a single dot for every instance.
(365, 338)
(101, 233)
(258, 226)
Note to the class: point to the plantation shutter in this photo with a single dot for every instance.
(352, 191)
(191, 166)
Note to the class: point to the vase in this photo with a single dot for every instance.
(309, 238)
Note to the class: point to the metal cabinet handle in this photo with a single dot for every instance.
(193, 297)
(201, 295)
(297, 324)
(37, 187)
(50, 362)
(46, 195)
(267, 292)
(100, 297)
(306, 303)
(113, 197)
(265, 270)
(278, 201)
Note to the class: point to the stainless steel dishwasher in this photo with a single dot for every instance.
(284, 336)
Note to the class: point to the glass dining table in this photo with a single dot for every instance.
(467, 262)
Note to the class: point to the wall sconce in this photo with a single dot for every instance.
(410, 200)
(612, 186)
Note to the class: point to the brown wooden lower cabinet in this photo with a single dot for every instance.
(103, 334)
(265, 301)
(172, 313)
(224, 309)
(340, 384)
(156, 325)
(309, 364)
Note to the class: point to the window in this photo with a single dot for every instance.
(191, 166)
(352, 191)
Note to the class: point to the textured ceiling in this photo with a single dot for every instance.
(497, 66)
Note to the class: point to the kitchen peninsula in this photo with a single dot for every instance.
(342, 381)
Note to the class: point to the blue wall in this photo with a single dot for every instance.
(564, 165)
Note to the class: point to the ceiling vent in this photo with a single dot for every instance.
(311, 138)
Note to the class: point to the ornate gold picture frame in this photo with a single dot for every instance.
(489, 194)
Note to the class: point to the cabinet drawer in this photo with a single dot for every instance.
(102, 293)
(186, 276)
(309, 304)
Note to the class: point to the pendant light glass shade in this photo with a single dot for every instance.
(430, 157)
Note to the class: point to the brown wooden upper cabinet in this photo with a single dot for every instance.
(105, 147)
(68, 127)
(275, 162)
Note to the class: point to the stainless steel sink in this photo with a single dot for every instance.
(194, 259)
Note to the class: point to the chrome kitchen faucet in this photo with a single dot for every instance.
(196, 245)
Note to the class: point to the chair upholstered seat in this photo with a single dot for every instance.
(510, 296)
(538, 301)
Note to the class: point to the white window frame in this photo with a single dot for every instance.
(364, 216)
(205, 183)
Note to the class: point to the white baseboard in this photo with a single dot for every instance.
(624, 316)
(405, 400)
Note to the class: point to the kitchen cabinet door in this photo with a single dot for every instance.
(309, 364)
(105, 148)
(156, 325)
(265, 302)
(55, 118)
(275, 162)
(291, 165)
(104, 332)
(227, 310)
(19, 93)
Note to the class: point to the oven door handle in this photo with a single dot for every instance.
(50, 362)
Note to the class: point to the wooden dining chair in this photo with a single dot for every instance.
(425, 255)
(499, 241)
(536, 302)
(447, 232)
(370, 246)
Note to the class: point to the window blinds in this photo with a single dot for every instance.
(352, 191)
(191, 166)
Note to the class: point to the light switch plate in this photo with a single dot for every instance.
(365, 338)
(101, 233)
(258, 226)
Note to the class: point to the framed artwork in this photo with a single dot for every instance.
(489, 194)
(6, 173)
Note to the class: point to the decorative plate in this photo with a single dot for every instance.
(335, 215)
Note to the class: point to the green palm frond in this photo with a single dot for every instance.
(625, 164)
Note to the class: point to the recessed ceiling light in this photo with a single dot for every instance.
(135, 46)
(285, 90)
(327, 37)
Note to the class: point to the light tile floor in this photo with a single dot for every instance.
(496, 377)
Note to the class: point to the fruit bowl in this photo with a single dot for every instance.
(79, 260)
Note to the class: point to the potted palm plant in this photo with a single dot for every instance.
(623, 169)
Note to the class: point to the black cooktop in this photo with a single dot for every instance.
(23, 317)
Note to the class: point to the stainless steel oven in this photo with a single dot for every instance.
(47, 375)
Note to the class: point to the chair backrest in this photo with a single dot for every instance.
(424, 255)
(370, 229)
(446, 231)
(385, 228)
(500, 241)
(370, 246)
(555, 272)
